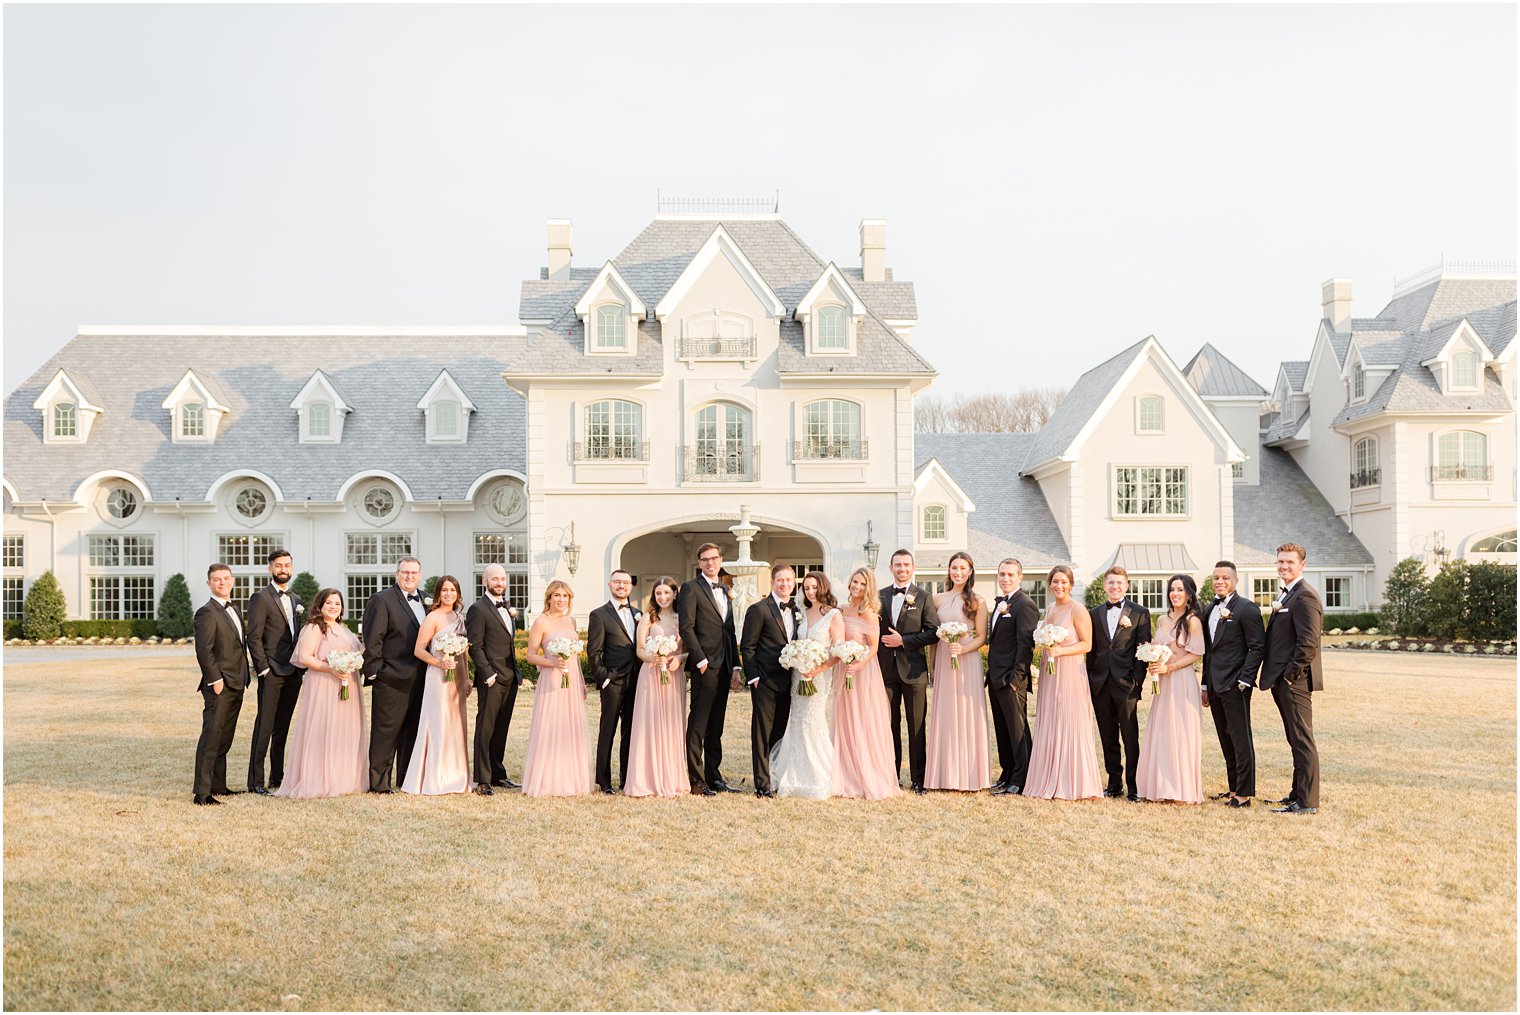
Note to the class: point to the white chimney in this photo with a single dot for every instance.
(873, 249)
(1335, 298)
(559, 249)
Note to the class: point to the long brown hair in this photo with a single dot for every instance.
(968, 597)
(314, 615)
(438, 590)
(826, 598)
(652, 609)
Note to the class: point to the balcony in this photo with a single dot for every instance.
(1366, 477)
(720, 348)
(705, 464)
(613, 451)
(1461, 473)
(830, 451)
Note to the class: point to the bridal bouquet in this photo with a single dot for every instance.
(453, 646)
(1047, 636)
(662, 646)
(953, 631)
(849, 653)
(804, 655)
(1150, 652)
(566, 649)
(347, 664)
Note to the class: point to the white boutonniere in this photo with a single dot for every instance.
(300, 608)
(1124, 621)
(1224, 613)
(1002, 608)
(427, 601)
(910, 599)
(512, 612)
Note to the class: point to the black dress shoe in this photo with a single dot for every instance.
(1133, 798)
(703, 791)
(259, 791)
(226, 792)
(1240, 802)
(481, 789)
(386, 789)
(1112, 793)
(1295, 808)
(1284, 801)
(609, 791)
(1222, 796)
(506, 783)
(1014, 791)
(207, 801)
(919, 788)
(275, 783)
(724, 787)
(999, 787)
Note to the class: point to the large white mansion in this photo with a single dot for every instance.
(715, 362)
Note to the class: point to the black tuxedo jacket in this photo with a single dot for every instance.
(270, 641)
(1234, 652)
(1293, 639)
(492, 648)
(390, 640)
(917, 624)
(1010, 641)
(1116, 660)
(219, 649)
(764, 638)
(609, 649)
(705, 633)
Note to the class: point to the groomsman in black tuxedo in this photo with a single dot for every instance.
(707, 634)
(1010, 650)
(221, 650)
(908, 625)
(1233, 642)
(392, 618)
(1291, 671)
(1115, 678)
(610, 649)
(768, 626)
(491, 626)
(274, 624)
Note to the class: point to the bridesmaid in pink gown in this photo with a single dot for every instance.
(329, 750)
(441, 757)
(657, 743)
(1064, 762)
(957, 756)
(559, 753)
(1171, 755)
(863, 762)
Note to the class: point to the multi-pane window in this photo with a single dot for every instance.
(1150, 490)
(934, 522)
(360, 588)
(1036, 589)
(15, 576)
(831, 429)
(1358, 382)
(1462, 454)
(370, 560)
(1464, 369)
(15, 552)
(121, 503)
(1149, 592)
(1364, 463)
(1263, 591)
(723, 449)
(1237, 470)
(610, 330)
(1337, 589)
(831, 331)
(510, 550)
(1152, 416)
(612, 431)
(65, 420)
(114, 597)
(319, 420)
(248, 557)
(192, 419)
(1504, 542)
(121, 551)
(445, 419)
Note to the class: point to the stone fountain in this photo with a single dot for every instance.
(746, 567)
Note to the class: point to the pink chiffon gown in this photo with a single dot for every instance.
(441, 756)
(863, 762)
(957, 749)
(1171, 755)
(559, 759)
(329, 749)
(1063, 764)
(657, 742)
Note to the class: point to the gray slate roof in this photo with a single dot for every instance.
(1286, 507)
(382, 377)
(1284, 428)
(1212, 374)
(1055, 437)
(1011, 517)
(655, 259)
(1297, 372)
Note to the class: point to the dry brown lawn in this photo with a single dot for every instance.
(120, 894)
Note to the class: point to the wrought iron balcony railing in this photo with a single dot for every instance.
(720, 348)
(1457, 473)
(616, 449)
(1366, 477)
(819, 451)
(721, 465)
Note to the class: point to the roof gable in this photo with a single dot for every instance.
(444, 386)
(193, 385)
(932, 470)
(610, 278)
(320, 388)
(832, 278)
(719, 244)
(77, 387)
(1439, 346)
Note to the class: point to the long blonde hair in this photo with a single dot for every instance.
(871, 601)
(554, 587)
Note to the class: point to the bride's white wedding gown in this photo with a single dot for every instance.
(802, 764)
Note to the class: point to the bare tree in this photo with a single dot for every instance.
(997, 412)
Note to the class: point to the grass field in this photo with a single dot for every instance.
(1399, 894)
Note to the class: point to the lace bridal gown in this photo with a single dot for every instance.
(802, 764)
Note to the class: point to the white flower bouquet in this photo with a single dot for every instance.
(952, 631)
(662, 647)
(850, 653)
(566, 649)
(1152, 652)
(347, 664)
(1047, 636)
(452, 645)
(804, 655)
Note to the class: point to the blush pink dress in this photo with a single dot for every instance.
(1171, 753)
(441, 757)
(329, 749)
(863, 762)
(657, 742)
(1063, 764)
(559, 760)
(957, 757)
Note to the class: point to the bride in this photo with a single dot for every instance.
(802, 764)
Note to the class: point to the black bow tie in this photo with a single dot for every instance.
(1219, 599)
(413, 597)
(717, 586)
(495, 603)
(281, 591)
(898, 591)
(228, 606)
(1002, 599)
(1116, 606)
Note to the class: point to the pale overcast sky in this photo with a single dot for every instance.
(1058, 182)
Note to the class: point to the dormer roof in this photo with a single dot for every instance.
(932, 469)
(609, 277)
(831, 276)
(202, 387)
(1214, 375)
(320, 387)
(444, 386)
(79, 388)
(1438, 344)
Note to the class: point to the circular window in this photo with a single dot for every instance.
(251, 503)
(379, 503)
(122, 503)
(506, 502)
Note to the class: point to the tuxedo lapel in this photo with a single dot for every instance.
(235, 626)
(406, 608)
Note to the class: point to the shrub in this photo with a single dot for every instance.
(175, 618)
(1490, 601)
(1404, 597)
(1095, 595)
(44, 609)
(110, 628)
(12, 629)
(1347, 620)
(305, 586)
(1446, 606)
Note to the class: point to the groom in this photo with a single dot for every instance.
(391, 621)
(908, 625)
(712, 661)
(768, 626)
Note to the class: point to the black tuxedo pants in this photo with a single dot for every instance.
(277, 703)
(912, 700)
(1232, 721)
(1010, 724)
(704, 725)
(394, 715)
(617, 712)
(770, 708)
(1295, 705)
(219, 716)
(1117, 720)
(493, 716)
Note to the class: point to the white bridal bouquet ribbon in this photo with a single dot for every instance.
(849, 653)
(347, 664)
(1151, 652)
(566, 649)
(662, 647)
(804, 655)
(952, 631)
(451, 645)
(1047, 636)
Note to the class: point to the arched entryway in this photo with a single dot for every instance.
(673, 550)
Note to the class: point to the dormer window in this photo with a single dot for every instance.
(446, 420)
(611, 328)
(69, 406)
(832, 333)
(1464, 370)
(192, 420)
(321, 410)
(195, 411)
(831, 315)
(65, 420)
(447, 409)
(1358, 382)
(609, 312)
(319, 420)
(1150, 414)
